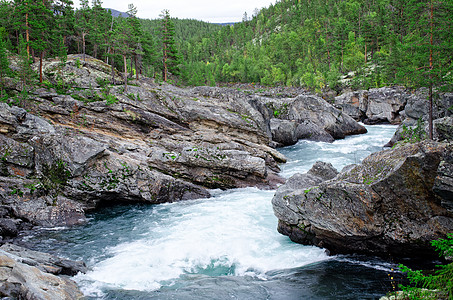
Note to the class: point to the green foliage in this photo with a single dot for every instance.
(54, 177)
(110, 99)
(171, 57)
(414, 134)
(4, 65)
(432, 286)
(17, 192)
(312, 44)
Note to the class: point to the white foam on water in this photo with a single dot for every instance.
(232, 234)
(340, 153)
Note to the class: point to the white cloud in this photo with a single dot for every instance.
(207, 10)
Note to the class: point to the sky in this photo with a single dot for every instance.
(213, 11)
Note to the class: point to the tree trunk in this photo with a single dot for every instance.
(40, 66)
(125, 73)
(27, 35)
(165, 62)
(430, 116)
(366, 54)
(136, 67)
(113, 69)
(108, 50)
(83, 46)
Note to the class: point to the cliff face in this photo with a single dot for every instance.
(395, 203)
(170, 146)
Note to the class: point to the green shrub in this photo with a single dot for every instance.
(54, 177)
(438, 285)
(414, 134)
(102, 82)
(110, 99)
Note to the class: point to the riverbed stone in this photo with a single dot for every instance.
(312, 118)
(21, 281)
(376, 105)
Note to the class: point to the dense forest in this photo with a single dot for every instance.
(313, 43)
(316, 44)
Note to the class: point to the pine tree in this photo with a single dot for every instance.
(25, 72)
(122, 40)
(40, 32)
(63, 12)
(428, 48)
(171, 58)
(83, 24)
(136, 37)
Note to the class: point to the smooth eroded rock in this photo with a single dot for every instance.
(391, 204)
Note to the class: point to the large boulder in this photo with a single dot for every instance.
(416, 114)
(377, 105)
(394, 203)
(354, 104)
(285, 208)
(309, 117)
(26, 274)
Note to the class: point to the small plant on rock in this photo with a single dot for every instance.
(414, 134)
(55, 177)
(438, 285)
(110, 99)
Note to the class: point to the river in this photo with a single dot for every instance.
(225, 247)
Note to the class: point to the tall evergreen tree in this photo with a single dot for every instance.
(83, 24)
(428, 48)
(136, 37)
(25, 72)
(123, 39)
(40, 18)
(171, 59)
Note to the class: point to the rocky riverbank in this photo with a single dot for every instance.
(81, 143)
(394, 203)
(26, 274)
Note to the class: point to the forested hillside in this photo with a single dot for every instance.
(314, 44)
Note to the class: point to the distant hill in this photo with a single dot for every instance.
(226, 24)
(117, 13)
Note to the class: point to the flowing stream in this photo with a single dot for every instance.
(226, 247)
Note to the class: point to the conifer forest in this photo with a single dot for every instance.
(314, 44)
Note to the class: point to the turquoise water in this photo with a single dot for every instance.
(225, 247)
